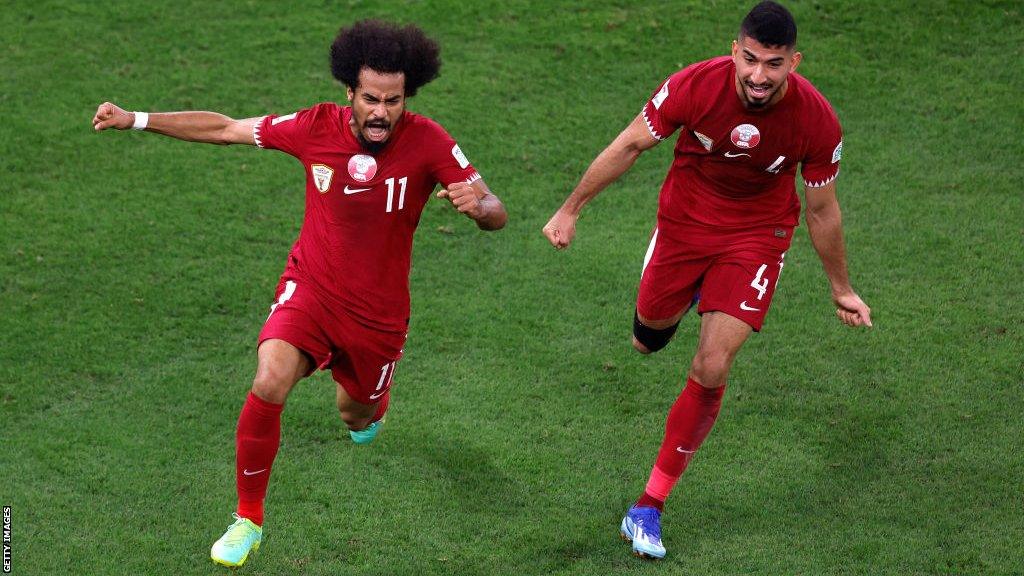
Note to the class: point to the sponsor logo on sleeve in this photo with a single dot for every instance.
(838, 152)
(322, 176)
(745, 136)
(659, 98)
(460, 157)
(284, 118)
(362, 168)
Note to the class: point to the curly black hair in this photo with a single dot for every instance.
(386, 48)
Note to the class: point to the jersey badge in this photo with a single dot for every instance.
(322, 175)
(460, 157)
(708, 143)
(362, 168)
(837, 153)
(745, 136)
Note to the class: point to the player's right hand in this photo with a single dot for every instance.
(561, 229)
(109, 115)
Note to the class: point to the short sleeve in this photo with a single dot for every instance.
(448, 164)
(287, 133)
(665, 112)
(821, 164)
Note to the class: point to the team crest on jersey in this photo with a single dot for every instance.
(362, 168)
(745, 136)
(708, 143)
(322, 176)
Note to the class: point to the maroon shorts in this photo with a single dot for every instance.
(734, 272)
(361, 359)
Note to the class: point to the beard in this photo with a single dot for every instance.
(764, 102)
(371, 146)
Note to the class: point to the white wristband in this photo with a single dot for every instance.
(141, 121)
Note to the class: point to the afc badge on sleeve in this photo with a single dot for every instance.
(837, 154)
(460, 157)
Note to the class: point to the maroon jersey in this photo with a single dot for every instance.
(355, 244)
(733, 167)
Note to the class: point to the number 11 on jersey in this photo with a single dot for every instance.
(391, 192)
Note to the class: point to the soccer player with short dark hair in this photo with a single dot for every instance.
(726, 215)
(343, 300)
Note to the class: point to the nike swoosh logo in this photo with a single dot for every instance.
(354, 190)
(680, 449)
(375, 396)
(247, 473)
(743, 306)
(736, 155)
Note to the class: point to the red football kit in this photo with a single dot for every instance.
(728, 206)
(344, 295)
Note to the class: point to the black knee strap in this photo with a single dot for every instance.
(652, 339)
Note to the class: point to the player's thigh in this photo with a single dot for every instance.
(742, 285)
(365, 364)
(671, 276)
(292, 342)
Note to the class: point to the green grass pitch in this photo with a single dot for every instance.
(135, 272)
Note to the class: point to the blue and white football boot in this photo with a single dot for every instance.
(642, 527)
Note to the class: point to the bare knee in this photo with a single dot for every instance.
(272, 385)
(711, 368)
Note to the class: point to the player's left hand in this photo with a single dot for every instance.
(851, 310)
(464, 197)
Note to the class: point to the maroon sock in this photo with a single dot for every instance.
(256, 442)
(382, 406)
(689, 421)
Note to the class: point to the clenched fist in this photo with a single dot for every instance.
(464, 197)
(112, 116)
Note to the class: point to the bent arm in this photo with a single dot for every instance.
(610, 164)
(490, 214)
(477, 202)
(209, 127)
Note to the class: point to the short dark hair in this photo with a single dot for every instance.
(386, 48)
(770, 24)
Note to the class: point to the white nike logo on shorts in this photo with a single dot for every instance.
(354, 190)
(247, 473)
(375, 396)
(743, 306)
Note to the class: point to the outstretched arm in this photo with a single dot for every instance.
(825, 226)
(609, 165)
(477, 202)
(208, 127)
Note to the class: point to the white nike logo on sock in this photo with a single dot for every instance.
(247, 473)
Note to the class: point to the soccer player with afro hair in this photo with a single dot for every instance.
(342, 303)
